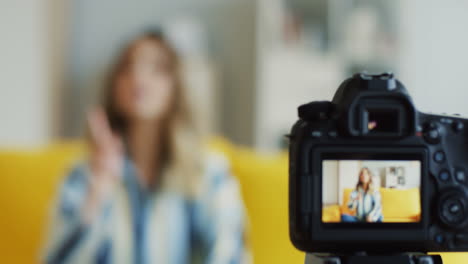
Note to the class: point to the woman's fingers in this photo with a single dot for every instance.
(106, 160)
(107, 149)
(100, 131)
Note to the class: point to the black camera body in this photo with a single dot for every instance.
(372, 120)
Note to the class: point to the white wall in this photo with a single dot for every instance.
(25, 72)
(412, 171)
(348, 171)
(287, 76)
(338, 175)
(434, 54)
(329, 182)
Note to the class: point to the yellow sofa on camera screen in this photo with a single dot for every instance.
(29, 178)
(398, 206)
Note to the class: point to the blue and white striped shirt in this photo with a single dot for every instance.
(140, 226)
(369, 205)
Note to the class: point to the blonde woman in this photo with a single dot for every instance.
(148, 193)
(364, 200)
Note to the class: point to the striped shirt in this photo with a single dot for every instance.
(140, 226)
(369, 205)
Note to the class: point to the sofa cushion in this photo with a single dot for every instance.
(397, 205)
(401, 204)
(331, 214)
(28, 182)
(29, 178)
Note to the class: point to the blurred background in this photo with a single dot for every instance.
(248, 64)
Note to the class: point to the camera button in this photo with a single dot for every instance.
(432, 136)
(439, 239)
(444, 175)
(439, 156)
(431, 133)
(460, 175)
(316, 133)
(454, 208)
(457, 126)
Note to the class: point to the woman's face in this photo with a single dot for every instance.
(145, 87)
(364, 177)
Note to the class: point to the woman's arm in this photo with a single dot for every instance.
(376, 211)
(78, 224)
(72, 235)
(219, 216)
(353, 200)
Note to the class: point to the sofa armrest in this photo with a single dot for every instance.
(331, 214)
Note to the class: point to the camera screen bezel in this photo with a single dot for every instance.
(371, 231)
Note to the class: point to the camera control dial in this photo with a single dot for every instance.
(453, 209)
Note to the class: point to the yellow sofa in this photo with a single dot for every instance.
(29, 179)
(398, 206)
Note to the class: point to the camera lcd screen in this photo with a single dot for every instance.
(371, 191)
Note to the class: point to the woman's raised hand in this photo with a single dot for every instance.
(106, 162)
(355, 196)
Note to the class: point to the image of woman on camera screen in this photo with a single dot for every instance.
(148, 192)
(364, 200)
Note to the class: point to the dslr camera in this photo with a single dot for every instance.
(368, 172)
